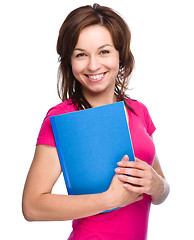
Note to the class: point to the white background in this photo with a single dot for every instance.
(162, 43)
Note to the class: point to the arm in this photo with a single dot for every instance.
(39, 204)
(162, 186)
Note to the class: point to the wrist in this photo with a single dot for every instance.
(108, 201)
(162, 192)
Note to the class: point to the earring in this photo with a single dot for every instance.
(121, 74)
(95, 6)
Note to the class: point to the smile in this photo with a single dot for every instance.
(95, 77)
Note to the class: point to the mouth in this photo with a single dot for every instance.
(96, 77)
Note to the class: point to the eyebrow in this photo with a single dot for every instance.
(103, 46)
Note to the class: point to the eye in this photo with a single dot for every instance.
(103, 52)
(80, 55)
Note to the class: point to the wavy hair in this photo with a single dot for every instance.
(80, 18)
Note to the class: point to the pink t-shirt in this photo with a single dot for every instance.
(127, 223)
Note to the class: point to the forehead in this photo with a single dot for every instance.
(94, 35)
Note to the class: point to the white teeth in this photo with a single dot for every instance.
(98, 76)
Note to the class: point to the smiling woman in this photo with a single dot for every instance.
(95, 66)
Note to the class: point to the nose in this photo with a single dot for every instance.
(93, 64)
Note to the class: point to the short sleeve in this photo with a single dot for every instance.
(45, 135)
(142, 112)
(148, 121)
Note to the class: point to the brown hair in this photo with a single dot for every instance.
(76, 21)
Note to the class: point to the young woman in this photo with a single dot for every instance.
(95, 65)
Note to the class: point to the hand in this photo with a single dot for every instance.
(119, 196)
(141, 177)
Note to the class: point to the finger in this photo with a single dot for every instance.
(142, 163)
(131, 164)
(131, 180)
(135, 189)
(130, 171)
(138, 160)
(125, 158)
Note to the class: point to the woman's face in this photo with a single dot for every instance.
(95, 61)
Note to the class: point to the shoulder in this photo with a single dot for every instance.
(45, 136)
(143, 113)
(138, 107)
(61, 108)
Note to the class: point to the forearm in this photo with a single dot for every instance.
(162, 192)
(52, 207)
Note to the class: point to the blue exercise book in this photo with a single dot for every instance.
(90, 143)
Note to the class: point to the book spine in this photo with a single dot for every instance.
(61, 156)
(131, 154)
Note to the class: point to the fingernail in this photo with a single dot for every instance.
(120, 163)
(117, 170)
(121, 176)
(125, 157)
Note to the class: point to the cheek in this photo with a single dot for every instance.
(77, 68)
(113, 62)
(114, 65)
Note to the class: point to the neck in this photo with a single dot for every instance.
(98, 100)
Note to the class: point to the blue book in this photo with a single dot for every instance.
(90, 143)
